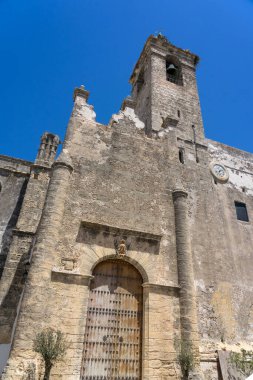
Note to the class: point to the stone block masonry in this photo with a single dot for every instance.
(139, 197)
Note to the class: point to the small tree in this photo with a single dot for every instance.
(243, 361)
(185, 357)
(51, 345)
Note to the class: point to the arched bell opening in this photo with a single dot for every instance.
(174, 71)
(113, 333)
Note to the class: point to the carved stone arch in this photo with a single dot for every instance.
(113, 332)
(128, 259)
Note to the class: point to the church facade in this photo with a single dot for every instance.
(138, 236)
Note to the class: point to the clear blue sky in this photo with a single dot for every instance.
(50, 46)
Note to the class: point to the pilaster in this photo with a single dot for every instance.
(160, 305)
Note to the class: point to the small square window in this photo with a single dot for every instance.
(241, 211)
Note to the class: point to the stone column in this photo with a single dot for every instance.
(188, 310)
(50, 223)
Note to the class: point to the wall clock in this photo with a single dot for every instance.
(219, 172)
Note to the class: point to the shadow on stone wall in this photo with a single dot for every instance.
(8, 308)
(7, 236)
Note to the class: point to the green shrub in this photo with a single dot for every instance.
(51, 345)
(243, 361)
(185, 357)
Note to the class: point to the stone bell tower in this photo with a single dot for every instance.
(164, 89)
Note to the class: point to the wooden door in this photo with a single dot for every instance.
(112, 343)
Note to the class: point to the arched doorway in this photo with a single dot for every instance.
(112, 342)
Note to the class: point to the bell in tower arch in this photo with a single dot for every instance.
(172, 72)
(171, 69)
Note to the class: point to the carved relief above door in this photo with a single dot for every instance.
(112, 341)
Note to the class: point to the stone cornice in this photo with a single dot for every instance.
(41, 167)
(17, 232)
(62, 164)
(68, 277)
(159, 288)
(15, 160)
(177, 193)
(15, 172)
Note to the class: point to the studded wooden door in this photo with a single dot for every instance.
(112, 342)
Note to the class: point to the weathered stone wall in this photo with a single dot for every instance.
(14, 174)
(220, 243)
(13, 180)
(117, 181)
(124, 179)
(141, 93)
(24, 187)
(195, 257)
(221, 247)
(223, 262)
(19, 250)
